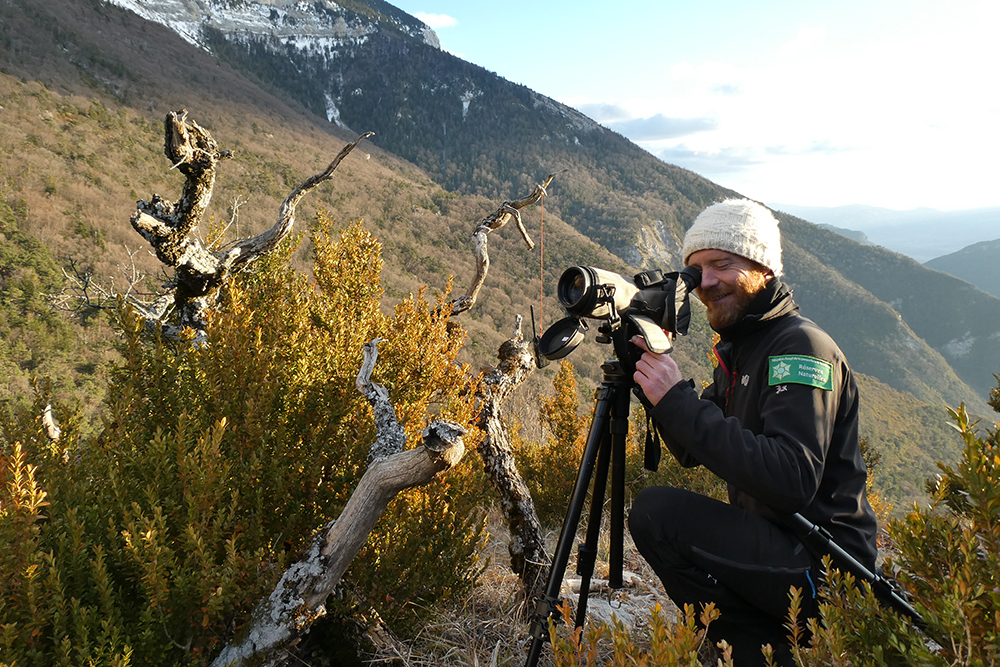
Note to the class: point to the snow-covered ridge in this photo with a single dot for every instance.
(574, 118)
(303, 22)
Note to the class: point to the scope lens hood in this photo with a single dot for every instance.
(576, 290)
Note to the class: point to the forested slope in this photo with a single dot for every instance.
(78, 164)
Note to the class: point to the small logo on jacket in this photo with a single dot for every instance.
(780, 370)
(781, 388)
(745, 380)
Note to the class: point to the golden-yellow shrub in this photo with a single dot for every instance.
(214, 464)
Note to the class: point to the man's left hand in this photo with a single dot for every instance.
(655, 373)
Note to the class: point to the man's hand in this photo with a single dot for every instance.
(655, 373)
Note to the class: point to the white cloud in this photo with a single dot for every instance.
(661, 127)
(804, 41)
(713, 164)
(437, 21)
(604, 113)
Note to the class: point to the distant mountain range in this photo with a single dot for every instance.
(922, 233)
(281, 82)
(978, 264)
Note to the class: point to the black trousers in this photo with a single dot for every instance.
(705, 551)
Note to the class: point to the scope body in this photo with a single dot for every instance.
(580, 292)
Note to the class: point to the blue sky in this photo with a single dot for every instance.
(889, 103)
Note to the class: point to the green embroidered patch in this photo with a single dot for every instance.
(795, 369)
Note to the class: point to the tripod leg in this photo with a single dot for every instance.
(613, 450)
(619, 438)
(587, 555)
(546, 605)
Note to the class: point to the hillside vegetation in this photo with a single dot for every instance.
(976, 264)
(186, 479)
(78, 162)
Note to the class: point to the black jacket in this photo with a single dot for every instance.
(779, 423)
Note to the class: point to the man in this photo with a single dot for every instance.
(779, 424)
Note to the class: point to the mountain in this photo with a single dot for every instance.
(860, 237)
(476, 133)
(976, 264)
(921, 233)
(471, 130)
(285, 85)
(882, 305)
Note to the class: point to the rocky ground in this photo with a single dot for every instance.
(490, 627)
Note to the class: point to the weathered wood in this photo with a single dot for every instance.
(299, 598)
(391, 438)
(526, 548)
(167, 226)
(496, 220)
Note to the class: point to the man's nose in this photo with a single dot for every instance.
(708, 279)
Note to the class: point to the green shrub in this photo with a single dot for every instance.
(216, 463)
(948, 562)
(680, 642)
(550, 467)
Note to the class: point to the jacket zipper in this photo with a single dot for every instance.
(729, 374)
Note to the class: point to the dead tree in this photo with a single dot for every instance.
(516, 361)
(299, 598)
(198, 271)
(528, 557)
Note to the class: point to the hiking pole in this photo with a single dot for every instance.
(818, 540)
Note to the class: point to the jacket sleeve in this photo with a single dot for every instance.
(778, 461)
(683, 457)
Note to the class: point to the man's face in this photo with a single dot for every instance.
(728, 284)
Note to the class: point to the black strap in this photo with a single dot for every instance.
(651, 454)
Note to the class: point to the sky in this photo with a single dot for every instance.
(889, 103)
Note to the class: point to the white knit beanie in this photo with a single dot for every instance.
(739, 226)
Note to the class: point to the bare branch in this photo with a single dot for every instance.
(82, 292)
(527, 548)
(493, 222)
(299, 598)
(390, 436)
(263, 243)
(169, 226)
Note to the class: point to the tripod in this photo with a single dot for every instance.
(604, 451)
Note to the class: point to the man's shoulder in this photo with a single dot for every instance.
(801, 352)
(797, 334)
